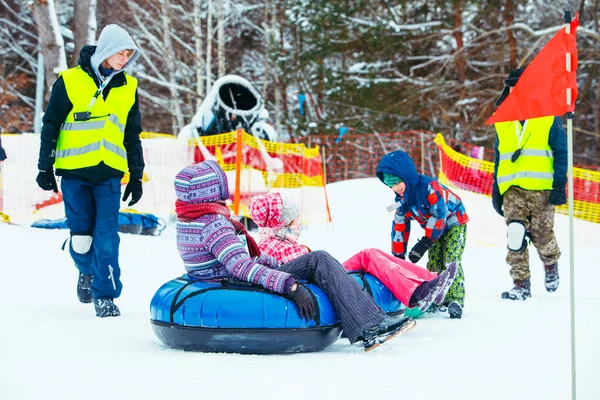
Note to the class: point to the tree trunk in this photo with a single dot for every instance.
(509, 18)
(220, 39)
(170, 61)
(458, 36)
(283, 82)
(84, 26)
(50, 39)
(266, 45)
(199, 56)
(209, 37)
(275, 69)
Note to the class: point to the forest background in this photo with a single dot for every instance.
(371, 66)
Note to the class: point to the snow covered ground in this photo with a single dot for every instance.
(53, 347)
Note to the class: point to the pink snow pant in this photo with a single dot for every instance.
(400, 276)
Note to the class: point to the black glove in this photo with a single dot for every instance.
(402, 256)
(46, 180)
(419, 249)
(306, 306)
(133, 188)
(497, 201)
(558, 195)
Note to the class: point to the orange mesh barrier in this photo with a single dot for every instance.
(458, 170)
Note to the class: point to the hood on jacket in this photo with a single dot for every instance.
(204, 182)
(400, 164)
(112, 40)
(267, 210)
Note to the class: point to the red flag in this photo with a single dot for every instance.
(542, 88)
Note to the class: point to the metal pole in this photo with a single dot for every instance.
(39, 95)
(570, 116)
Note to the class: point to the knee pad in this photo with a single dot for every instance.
(81, 244)
(516, 235)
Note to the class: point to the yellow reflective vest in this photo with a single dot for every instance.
(100, 139)
(534, 168)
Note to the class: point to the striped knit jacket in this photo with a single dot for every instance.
(210, 249)
(209, 245)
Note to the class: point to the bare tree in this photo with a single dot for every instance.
(51, 41)
(209, 36)
(220, 39)
(170, 61)
(84, 26)
(199, 55)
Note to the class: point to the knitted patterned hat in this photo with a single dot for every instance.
(204, 182)
(290, 211)
(390, 180)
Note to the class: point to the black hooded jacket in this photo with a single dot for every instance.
(59, 107)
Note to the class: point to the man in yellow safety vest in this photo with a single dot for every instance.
(530, 177)
(90, 134)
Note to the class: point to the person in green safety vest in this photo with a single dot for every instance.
(530, 175)
(91, 135)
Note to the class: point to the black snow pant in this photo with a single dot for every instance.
(353, 305)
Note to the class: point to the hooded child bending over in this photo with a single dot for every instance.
(438, 210)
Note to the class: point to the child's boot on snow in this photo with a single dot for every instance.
(106, 308)
(84, 290)
(552, 279)
(425, 295)
(521, 290)
(455, 310)
(387, 329)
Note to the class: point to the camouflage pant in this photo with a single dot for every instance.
(533, 209)
(446, 249)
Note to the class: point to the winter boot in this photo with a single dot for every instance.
(451, 269)
(84, 290)
(521, 291)
(552, 279)
(425, 295)
(455, 310)
(386, 330)
(106, 308)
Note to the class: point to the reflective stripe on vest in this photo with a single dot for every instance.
(534, 168)
(100, 139)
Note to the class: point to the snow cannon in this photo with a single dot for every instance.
(238, 317)
(232, 103)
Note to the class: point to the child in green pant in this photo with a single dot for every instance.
(438, 210)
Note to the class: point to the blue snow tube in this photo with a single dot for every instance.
(222, 317)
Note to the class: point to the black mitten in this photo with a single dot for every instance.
(558, 195)
(497, 200)
(419, 249)
(133, 188)
(46, 180)
(306, 306)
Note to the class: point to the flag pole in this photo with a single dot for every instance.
(570, 116)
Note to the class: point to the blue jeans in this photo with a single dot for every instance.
(93, 209)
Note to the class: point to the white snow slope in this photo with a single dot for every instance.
(53, 347)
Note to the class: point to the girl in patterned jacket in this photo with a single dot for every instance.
(279, 230)
(208, 242)
(438, 210)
